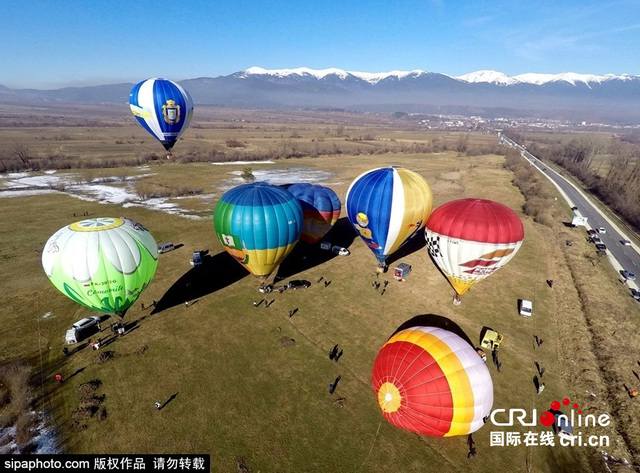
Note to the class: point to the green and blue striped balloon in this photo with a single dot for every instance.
(258, 224)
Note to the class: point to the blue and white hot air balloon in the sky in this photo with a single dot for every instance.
(387, 207)
(163, 108)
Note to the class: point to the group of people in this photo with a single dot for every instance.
(539, 386)
(376, 285)
(334, 354)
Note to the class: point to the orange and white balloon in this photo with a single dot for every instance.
(430, 381)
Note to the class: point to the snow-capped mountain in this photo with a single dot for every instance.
(487, 76)
(489, 93)
(371, 77)
(491, 77)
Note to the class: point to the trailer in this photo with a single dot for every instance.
(401, 271)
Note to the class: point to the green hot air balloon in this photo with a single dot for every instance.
(101, 263)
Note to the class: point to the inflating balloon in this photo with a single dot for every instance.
(163, 108)
(320, 210)
(101, 263)
(388, 206)
(430, 381)
(470, 239)
(258, 224)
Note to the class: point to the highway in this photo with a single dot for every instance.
(627, 257)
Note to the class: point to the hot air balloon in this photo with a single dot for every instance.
(430, 381)
(101, 263)
(258, 224)
(163, 108)
(320, 210)
(387, 206)
(469, 239)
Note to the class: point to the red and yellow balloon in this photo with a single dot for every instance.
(430, 381)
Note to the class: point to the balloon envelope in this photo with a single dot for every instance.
(387, 206)
(470, 239)
(163, 108)
(258, 224)
(101, 263)
(430, 381)
(320, 210)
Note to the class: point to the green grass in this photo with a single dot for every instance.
(240, 393)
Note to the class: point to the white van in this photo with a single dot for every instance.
(526, 308)
(82, 329)
(165, 247)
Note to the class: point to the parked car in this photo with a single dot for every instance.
(562, 426)
(82, 329)
(165, 247)
(601, 247)
(602, 230)
(635, 294)
(591, 232)
(596, 240)
(526, 308)
(574, 208)
(625, 242)
(628, 275)
(298, 284)
(197, 259)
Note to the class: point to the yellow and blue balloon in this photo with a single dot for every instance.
(387, 206)
(258, 224)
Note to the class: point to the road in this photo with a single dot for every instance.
(627, 256)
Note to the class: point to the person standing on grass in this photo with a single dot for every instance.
(59, 378)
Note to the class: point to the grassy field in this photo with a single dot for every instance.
(244, 390)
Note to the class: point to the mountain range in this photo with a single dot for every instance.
(580, 97)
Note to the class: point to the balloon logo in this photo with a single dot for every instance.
(470, 239)
(163, 108)
(258, 225)
(102, 263)
(388, 206)
(320, 209)
(362, 219)
(430, 381)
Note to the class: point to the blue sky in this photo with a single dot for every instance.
(50, 44)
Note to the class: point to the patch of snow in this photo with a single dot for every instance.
(299, 71)
(24, 184)
(15, 175)
(371, 77)
(100, 180)
(375, 77)
(7, 448)
(278, 177)
(45, 439)
(491, 77)
(47, 315)
(51, 171)
(243, 162)
(570, 77)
